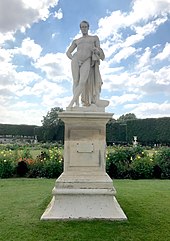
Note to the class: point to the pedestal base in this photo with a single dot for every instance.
(84, 190)
(84, 196)
(84, 204)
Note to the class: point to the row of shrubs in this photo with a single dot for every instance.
(121, 162)
(137, 163)
(16, 163)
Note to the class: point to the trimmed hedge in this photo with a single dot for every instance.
(149, 131)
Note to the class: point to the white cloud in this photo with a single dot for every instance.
(142, 20)
(53, 100)
(6, 36)
(16, 81)
(149, 82)
(109, 25)
(46, 87)
(7, 70)
(149, 109)
(164, 54)
(163, 77)
(124, 53)
(115, 82)
(144, 59)
(29, 48)
(143, 31)
(143, 11)
(29, 115)
(5, 56)
(150, 27)
(22, 13)
(59, 14)
(41, 89)
(26, 77)
(56, 66)
(25, 109)
(125, 98)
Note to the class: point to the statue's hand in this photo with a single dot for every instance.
(96, 51)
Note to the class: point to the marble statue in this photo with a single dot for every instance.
(84, 191)
(85, 69)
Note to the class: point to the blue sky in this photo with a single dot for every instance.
(35, 74)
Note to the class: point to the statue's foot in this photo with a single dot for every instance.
(69, 106)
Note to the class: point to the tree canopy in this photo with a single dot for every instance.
(51, 119)
(52, 125)
(127, 117)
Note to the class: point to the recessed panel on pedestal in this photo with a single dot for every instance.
(84, 148)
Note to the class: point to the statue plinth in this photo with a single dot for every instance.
(84, 190)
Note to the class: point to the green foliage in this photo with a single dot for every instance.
(119, 161)
(6, 169)
(51, 119)
(112, 132)
(162, 160)
(49, 164)
(21, 130)
(47, 161)
(20, 162)
(148, 131)
(136, 163)
(127, 117)
(25, 153)
(142, 168)
(7, 164)
(52, 126)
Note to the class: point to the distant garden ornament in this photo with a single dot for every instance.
(135, 141)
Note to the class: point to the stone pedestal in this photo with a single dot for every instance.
(84, 190)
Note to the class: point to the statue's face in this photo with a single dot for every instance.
(84, 28)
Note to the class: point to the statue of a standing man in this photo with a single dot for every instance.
(85, 68)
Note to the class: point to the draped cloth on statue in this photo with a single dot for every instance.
(91, 92)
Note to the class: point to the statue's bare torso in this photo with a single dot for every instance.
(85, 46)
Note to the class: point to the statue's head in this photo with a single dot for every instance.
(84, 23)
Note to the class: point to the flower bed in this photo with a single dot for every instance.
(19, 162)
(136, 163)
(121, 162)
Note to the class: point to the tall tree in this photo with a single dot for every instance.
(127, 117)
(52, 125)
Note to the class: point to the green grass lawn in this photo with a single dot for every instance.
(145, 202)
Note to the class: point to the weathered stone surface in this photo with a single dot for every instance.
(84, 190)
